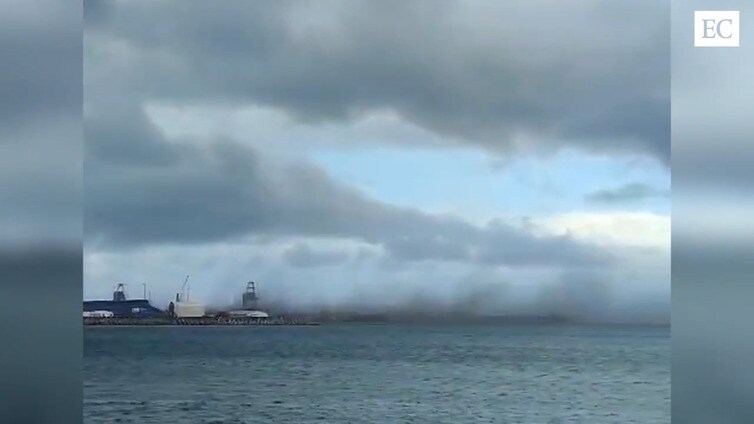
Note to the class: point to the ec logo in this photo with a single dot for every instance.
(716, 28)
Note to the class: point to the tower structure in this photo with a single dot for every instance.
(119, 295)
(250, 298)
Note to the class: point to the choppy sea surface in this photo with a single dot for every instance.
(358, 373)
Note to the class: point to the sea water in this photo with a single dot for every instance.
(358, 373)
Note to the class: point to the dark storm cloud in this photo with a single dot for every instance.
(627, 193)
(485, 72)
(304, 255)
(122, 136)
(197, 193)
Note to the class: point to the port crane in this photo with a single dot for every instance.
(183, 296)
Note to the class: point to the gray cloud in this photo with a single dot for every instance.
(304, 255)
(142, 189)
(482, 71)
(627, 193)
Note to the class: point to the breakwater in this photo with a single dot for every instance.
(203, 321)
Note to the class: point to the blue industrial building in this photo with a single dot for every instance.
(122, 307)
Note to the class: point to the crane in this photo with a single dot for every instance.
(184, 291)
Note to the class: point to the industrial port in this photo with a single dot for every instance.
(182, 311)
(121, 311)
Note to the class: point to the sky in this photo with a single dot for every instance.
(472, 156)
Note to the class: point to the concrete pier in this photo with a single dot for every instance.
(203, 321)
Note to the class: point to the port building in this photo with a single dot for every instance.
(121, 306)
